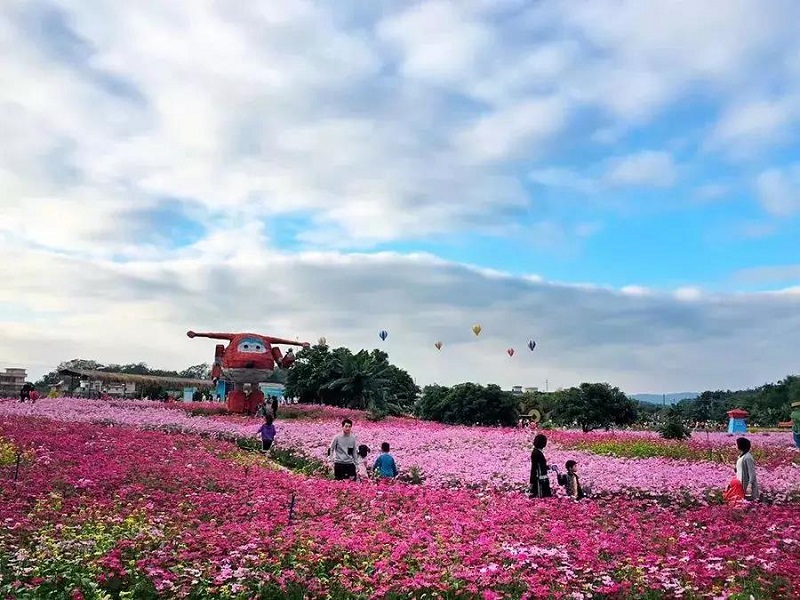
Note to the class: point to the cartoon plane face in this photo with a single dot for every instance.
(251, 345)
(248, 352)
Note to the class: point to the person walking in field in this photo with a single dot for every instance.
(344, 453)
(268, 432)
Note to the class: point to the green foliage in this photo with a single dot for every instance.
(768, 404)
(297, 461)
(468, 404)
(365, 380)
(414, 476)
(674, 427)
(593, 406)
(293, 459)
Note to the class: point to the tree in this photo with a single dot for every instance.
(340, 378)
(468, 404)
(360, 378)
(674, 427)
(311, 371)
(543, 402)
(593, 406)
(201, 371)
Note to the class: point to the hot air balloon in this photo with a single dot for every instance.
(510, 351)
(322, 341)
(438, 345)
(383, 335)
(531, 345)
(476, 329)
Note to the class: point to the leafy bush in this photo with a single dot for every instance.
(674, 428)
(291, 458)
(297, 461)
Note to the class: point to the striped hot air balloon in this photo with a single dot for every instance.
(438, 345)
(531, 345)
(383, 335)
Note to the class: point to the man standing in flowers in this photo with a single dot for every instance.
(343, 452)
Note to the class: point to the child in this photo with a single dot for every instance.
(384, 464)
(362, 468)
(267, 431)
(573, 485)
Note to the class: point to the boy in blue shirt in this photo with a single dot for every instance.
(384, 464)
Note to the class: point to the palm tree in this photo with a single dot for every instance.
(361, 381)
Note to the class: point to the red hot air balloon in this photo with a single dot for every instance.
(510, 351)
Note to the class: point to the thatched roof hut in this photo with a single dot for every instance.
(110, 377)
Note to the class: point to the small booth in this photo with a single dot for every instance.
(736, 422)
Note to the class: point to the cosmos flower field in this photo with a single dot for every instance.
(143, 500)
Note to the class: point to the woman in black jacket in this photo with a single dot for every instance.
(540, 480)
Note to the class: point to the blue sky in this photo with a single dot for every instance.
(633, 168)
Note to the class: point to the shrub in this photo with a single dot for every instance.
(674, 428)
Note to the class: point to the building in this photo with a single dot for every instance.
(11, 382)
(95, 383)
(518, 390)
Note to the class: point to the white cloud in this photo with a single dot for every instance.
(376, 120)
(777, 273)
(646, 168)
(560, 177)
(688, 293)
(779, 191)
(712, 191)
(438, 41)
(373, 123)
(141, 311)
(747, 127)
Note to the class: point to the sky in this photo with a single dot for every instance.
(617, 180)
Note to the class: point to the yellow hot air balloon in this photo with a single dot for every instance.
(476, 329)
(438, 345)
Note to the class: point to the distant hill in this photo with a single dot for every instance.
(659, 398)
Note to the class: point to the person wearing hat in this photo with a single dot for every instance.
(795, 417)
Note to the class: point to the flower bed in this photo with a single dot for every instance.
(769, 450)
(105, 510)
(481, 457)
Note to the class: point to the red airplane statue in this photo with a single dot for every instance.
(249, 359)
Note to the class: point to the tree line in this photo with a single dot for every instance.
(367, 380)
(768, 404)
